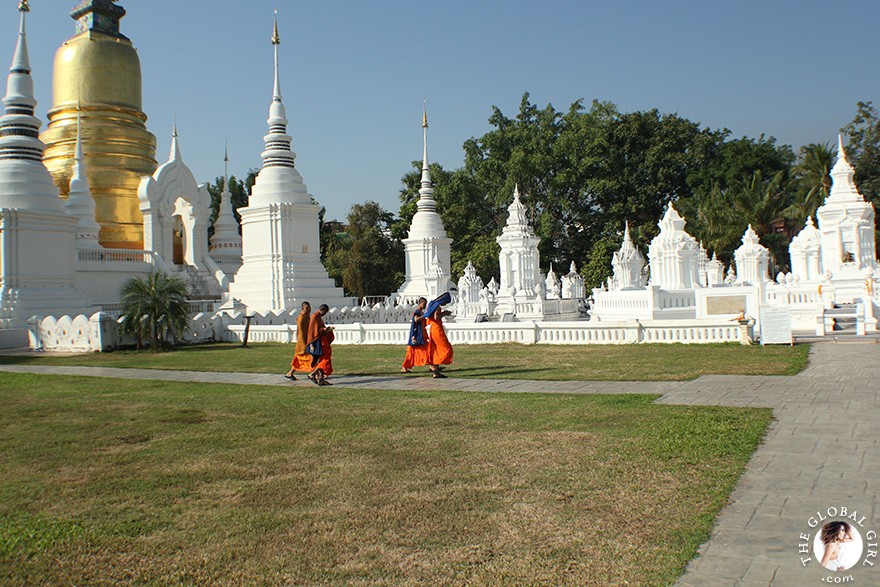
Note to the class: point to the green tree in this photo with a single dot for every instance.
(811, 181)
(154, 307)
(863, 150)
(368, 258)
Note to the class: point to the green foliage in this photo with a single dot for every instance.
(366, 257)
(811, 181)
(597, 269)
(585, 171)
(154, 307)
(863, 151)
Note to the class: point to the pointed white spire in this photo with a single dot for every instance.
(843, 187)
(276, 40)
(426, 201)
(24, 181)
(226, 241)
(80, 202)
(175, 145)
(277, 152)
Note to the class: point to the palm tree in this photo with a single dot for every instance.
(154, 306)
(812, 180)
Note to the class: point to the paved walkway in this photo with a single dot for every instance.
(821, 451)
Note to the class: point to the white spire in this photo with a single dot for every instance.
(80, 203)
(24, 181)
(426, 192)
(277, 152)
(175, 146)
(843, 187)
(226, 242)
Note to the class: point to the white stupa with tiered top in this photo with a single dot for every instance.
(846, 222)
(752, 260)
(281, 251)
(226, 241)
(628, 264)
(37, 237)
(674, 254)
(519, 258)
(427, 248)
(80, 203)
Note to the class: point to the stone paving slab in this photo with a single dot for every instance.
(821, 451)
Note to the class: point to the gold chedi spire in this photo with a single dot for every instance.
(99, 69)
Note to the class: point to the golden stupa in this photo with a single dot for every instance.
(98, 73)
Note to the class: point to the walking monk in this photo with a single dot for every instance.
(302, 361)
(417, 343)
(439, 349)
(319, 347)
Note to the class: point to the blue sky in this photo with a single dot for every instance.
(354, 73)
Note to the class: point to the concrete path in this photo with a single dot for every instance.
(821, 452)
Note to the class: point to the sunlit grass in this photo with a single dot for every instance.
(507, 361)
(148, 482)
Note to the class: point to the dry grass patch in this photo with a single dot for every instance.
(127, 482)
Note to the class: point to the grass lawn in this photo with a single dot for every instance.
(658, 362)
(109, 482)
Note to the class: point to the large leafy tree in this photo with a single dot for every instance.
(154, 307)
(583, 172)
(366, 256)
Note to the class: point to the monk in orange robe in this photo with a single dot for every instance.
(417, 343)
(318, 346)
(302, 361)
(439, 349)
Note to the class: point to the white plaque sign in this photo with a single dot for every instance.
(775, 325)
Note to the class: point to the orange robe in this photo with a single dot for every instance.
(439, 349)
(302, 361)
(417, 355)
(318, 330)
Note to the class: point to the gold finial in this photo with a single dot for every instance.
(276, 40)
(23, 6)
(425, 116)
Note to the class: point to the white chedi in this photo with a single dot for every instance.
(573, 284)
(552, 285)
(714, 271)
(470, 285)
(281, 253)
(627, 263)
(519, 258)
(225, 246)
(846, 221)
(426, 247)
(805, 252)
(752, 259)
(80, 202)
(674, 254)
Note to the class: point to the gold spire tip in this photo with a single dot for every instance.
(425, 118)
(276, 40)
(23, 6)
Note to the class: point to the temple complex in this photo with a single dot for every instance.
(84, 207)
